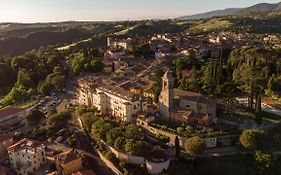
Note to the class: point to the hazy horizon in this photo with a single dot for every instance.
(33, 11)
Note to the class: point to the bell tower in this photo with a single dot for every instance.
(166, 99)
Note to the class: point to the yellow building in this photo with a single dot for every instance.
(68, 162)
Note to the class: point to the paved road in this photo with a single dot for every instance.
(85, 147)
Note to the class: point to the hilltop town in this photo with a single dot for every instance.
(167, 97)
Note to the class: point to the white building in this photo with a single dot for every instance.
(121, 104)
(116, 44)
(27, 156)
(115, 54)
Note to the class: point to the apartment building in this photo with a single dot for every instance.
(122, 104)
(27, 156)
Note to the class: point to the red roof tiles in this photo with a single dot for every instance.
(4, 137)
(9, 111)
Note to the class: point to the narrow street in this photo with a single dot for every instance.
(84, 146)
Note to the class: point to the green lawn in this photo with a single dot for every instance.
(28, 104)
(212, 24)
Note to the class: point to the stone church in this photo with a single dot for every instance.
(184, 106)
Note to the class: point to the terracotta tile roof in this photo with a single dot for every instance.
(9, 111)
(192, 96)
(84, 172)
(24, 144)
(4, 137)
(67, 157)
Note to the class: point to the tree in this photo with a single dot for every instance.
(258, 118)
(264, 162)
(34, 118)
(6, 81)
(183, 63)
(88, 119)
(112, 67)
(258, 110)
(119, 143)
(194, 145)
(52, 111)
(134, 132)
(177, 147)
(57, 80)
(101, 127)
(59, 119)
(24, 79)
(258, 104)
(113, 134)
(252, 138)
(18, 136)
(45, 88)
(129, 146)
(180, 131)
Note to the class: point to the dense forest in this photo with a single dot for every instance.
(25, 75)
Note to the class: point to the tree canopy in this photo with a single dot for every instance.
(194, 145)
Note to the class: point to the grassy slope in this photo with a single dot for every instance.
(212, 24)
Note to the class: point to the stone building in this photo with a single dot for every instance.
(27, 156)
(184, 106)
(124, 105)
(68, 162)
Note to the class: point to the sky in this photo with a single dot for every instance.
(29, 11)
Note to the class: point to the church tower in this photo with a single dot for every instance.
(167, 94)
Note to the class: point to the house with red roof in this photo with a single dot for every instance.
(11, 116)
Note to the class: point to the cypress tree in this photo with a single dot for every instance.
(177, 147)
(258, 103)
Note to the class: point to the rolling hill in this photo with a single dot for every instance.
(216, 13)
(255, 9)
(260, 8)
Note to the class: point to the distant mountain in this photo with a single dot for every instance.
(258, 8)
(216, 13)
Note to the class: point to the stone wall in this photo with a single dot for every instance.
(156, 131)
(156, 168)
(224, 140)
(109, 164)
(128, 158)
(137, 160)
